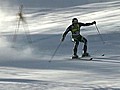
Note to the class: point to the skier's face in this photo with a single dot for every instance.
(75, 22)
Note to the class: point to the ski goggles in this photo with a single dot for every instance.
(75, 21)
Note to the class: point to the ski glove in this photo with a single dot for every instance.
(94, 22)
(62, 39)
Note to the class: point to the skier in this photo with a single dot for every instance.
(75, 30)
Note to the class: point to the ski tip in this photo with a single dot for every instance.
(103, 54)
(91, 58)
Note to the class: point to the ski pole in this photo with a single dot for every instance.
(99, 34)
(55, 51)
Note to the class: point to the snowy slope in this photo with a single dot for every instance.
(25, 66)
(48, 3)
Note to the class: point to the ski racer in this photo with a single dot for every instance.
(76, 37)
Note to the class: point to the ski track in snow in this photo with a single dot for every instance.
(25, 66)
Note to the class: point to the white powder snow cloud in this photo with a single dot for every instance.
(9, 53)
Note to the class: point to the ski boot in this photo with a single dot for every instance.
(74, 56)
(85, 55)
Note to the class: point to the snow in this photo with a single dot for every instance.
(25, 66)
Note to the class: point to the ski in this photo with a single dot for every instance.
(90, 58)
(81, 58)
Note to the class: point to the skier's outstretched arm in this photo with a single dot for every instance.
(65, 33)
(88, 24)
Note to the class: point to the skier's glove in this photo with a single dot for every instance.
(62, 39)
(94, 22)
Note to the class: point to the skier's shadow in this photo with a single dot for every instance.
(106, 61)
(111, 59)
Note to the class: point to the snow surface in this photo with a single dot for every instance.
(25, 66)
